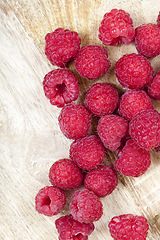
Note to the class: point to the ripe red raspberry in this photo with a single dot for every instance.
(101, 99)
(85, 206)
(116, 27)
(144, 129)
(50, 201)
(92, 61)
(62, 46)
(87, 152)
(132, 160)
(102, 181)
(134, 71)
(65, 174)
(147, 40)
(61, 87)
(111, 129)
(74, 121)
(133, 102)
(154, 87)
(69, 228)
(158, 19)
(128, 227)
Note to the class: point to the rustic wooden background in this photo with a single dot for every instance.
(30, 138)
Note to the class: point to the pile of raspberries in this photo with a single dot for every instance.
(127, 124)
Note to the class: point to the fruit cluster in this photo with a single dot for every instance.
(128, 124)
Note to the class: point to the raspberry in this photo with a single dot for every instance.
(62, 46)
(61, 87)
(85, 206)
(134, 71)
(132, 160)
(128, 227)
(133, 102)
(144, 129)
(116, 27)
(102, 181)
(65, 174)
(87, 152)
(92, 61)
(74, 121)
(158, 19)
(101, 99)
(147, 40)
(50, 201)
(69, 228)
(111, 129)
(154, 87)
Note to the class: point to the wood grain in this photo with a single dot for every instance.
(30, 136)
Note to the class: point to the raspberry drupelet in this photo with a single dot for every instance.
(134, 71)
(101, 99)
(133, 102)
(65, 174)
(128, 226)
(69, 228)
(154, 87)
(116, 28)
(132, 160)
(61, 87)
(92, 61)
(50, 200)
(62, 46)
(85, 206)
(75, 121)
(88, 152)
(158, 19)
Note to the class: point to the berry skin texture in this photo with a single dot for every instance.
(61, 87)
(129, 227)
(154, 87)
(134, 71)
(50, 201)
(69, 228)
(85, 206)
(132, 160)
(116, 28)
(65, 174)
(111, 129)
(144, 129)
(75, 121)
(92, 61)
(133, 102)
(62, 46)
(102, 181)
(101, 99)
(88, 152)
(147, 40)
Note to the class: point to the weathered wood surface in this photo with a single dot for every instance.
(30, 139)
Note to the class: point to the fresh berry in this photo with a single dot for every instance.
(92, 61)
(101, 99)
(62, 46)
(154, 87)
(158, 19)
(128, 227)
(116, 27)
(147, 40)
(75, 121)
(69, 228)
(88, 152)
(61, 87)
(144, 129)
(50, 200)
(102, 181)
(65, 174)
(134, 71)
(132, 102)
(85, 206)
(111, 129)
(132, 160)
